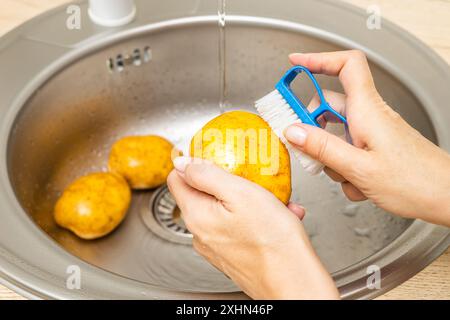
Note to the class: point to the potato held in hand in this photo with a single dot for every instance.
(244, 144)
(93, 205)
(144, 161)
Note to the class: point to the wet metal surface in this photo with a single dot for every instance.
(61, 114)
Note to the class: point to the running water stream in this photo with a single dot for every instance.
(222, 55)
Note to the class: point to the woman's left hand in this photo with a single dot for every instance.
(247, 233)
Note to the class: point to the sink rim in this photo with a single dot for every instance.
(77, 53)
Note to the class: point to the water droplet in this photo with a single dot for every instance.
(362, 232)
(350, 210)
(334, 188)
(377, 246)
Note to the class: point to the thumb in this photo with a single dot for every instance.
(327, 148)
(205, 176)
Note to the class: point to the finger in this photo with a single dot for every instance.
(352, 193)
(335, 100)
(330, 150)
(189, 200)
(199, 246)
(334, 175)
(211, 179)
(351, 67)
(297, 209)
(206, 253)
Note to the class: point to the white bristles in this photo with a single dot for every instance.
(279, 115)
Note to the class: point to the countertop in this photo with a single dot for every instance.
(428, 20)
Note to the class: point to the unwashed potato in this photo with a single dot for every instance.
(94, 205)
(144, 161)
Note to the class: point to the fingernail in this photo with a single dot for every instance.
(180, 163)
(295, 134)
(295, 54)
(297, 205)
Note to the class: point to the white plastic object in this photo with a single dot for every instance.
(112, 13)
(274, 109)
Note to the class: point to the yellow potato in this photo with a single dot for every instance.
(144, 161)
(94, 205)
(244, 144)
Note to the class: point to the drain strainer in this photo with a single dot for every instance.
(162, 216)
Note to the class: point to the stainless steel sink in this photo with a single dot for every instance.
(66, 96)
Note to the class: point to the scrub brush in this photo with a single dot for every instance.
(281, 108)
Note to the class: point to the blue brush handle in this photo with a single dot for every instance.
(283, 86)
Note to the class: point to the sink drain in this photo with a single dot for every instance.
(167, 213)
(163, 217)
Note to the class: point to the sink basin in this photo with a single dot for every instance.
(73, 93)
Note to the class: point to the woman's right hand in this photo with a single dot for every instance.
(389, 162)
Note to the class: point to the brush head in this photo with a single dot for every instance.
(275, 110)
